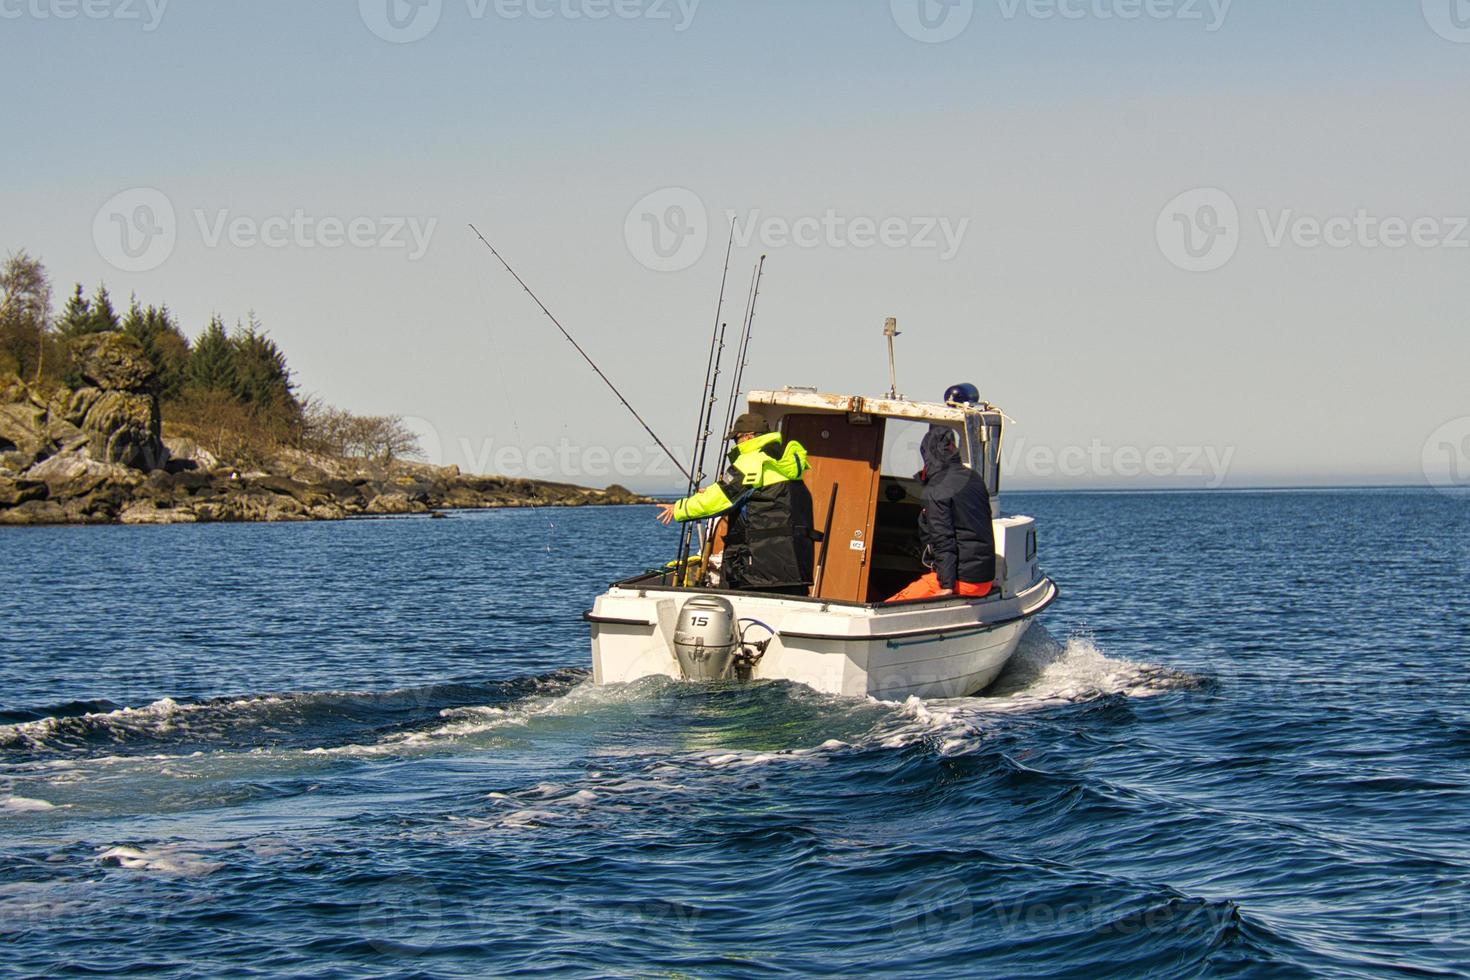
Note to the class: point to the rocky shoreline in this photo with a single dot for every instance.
(95, 454)
(84, 492)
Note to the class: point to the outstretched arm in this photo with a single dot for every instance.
(712, 501)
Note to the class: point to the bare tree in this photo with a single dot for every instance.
(25, 312)
(337, 433)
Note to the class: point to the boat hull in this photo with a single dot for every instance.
(944, 648)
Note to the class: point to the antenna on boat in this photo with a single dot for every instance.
(890, 330)
(743, 358)
(708, 397)
(605, 380)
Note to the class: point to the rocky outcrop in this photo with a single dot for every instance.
(113, 417)
(118, 411)
(89, 458)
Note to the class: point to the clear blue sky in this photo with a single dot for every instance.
(1054, 143)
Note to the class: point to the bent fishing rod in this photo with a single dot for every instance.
(571, 340)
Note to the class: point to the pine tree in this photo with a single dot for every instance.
(76, 316)
(82, 316)
(164, 342)
(212, 361)
(262, 377)
(104, 317)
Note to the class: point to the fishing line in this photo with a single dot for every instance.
(585, 356)
(516, 424)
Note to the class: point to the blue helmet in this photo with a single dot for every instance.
(962, 395)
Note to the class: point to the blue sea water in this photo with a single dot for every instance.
(1237, 747)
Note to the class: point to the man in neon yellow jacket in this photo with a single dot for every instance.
(769, 544)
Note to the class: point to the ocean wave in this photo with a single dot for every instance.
(220, 749)
(259, 720)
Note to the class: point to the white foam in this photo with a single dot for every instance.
(177, 861)
(165, 717)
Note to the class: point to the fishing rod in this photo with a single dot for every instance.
(711, 373)
(691, 532)
(743, 360)
(707, 398)
(739, 354)
(605, 379)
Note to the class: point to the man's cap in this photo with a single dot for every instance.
(750, 422)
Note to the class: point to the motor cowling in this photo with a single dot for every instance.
(707, 639)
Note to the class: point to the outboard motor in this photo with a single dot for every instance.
(707, 639)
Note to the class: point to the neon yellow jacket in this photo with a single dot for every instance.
(754, 466)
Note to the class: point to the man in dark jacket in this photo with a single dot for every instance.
(768, 541)
(955, 526)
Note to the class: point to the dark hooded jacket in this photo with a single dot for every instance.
(956, 523)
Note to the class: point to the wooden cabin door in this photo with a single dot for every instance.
(848, 456)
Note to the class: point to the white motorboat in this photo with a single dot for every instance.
(844, 638)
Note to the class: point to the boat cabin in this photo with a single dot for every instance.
(870, 515)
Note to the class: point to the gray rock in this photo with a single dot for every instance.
(188, 450)
(112, 361)
(76, 467)
(34, 512)
(13, 493)
(396, 503)
(147, 512)
(124, 428)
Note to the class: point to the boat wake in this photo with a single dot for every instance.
(226, 750)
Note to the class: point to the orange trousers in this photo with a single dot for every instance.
(928, 587)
